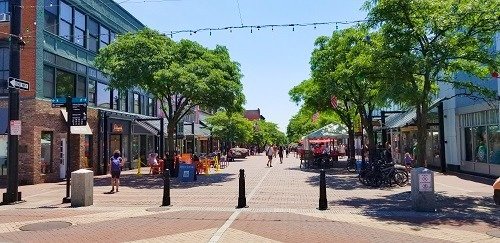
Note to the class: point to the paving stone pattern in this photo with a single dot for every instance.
(282, 204)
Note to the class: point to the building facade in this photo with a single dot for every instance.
(62, 39)
(472, 127)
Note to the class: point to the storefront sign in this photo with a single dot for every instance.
(117, 128)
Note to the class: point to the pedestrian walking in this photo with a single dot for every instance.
(275, 150)
(269, 152)
(280, 154)
(116, 164)
(287, 151)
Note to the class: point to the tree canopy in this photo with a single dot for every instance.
(180, 74)
(232, 127)
(425, 42)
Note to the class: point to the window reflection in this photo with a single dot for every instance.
(494, 144)
(103, 95)
(46, 152)
(65, 84)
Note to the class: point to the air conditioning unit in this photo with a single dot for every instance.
(4, 17)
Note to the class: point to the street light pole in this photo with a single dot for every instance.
(13, 195)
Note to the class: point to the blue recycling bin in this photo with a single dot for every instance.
(186, 172)
(358, 165)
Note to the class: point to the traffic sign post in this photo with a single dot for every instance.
(12, 193)
(18, 84)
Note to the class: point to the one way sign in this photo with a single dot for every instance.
(18, 83)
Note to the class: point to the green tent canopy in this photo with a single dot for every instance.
(330, 131)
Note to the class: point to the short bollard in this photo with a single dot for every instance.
(166, 188)
(323, 203)
(242, 200)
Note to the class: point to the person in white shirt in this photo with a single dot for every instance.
(270, 152)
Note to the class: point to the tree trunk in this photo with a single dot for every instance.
(420, 159)
(170, 146)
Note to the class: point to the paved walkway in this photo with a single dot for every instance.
(282, 204)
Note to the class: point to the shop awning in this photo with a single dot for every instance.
(407, 118)
(145, 125)
(77, 129)
(200, 132)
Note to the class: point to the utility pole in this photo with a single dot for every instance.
(13, 195)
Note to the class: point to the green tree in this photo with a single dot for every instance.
(267, 133)
(345, 65)
(312, 93)
(180, 74)
(230, 127)
(426, 42)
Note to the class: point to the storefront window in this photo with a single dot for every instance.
(479, 142)
(125, 151)
(3, 154)
(65, 84)
(46, 152)
(494, 144)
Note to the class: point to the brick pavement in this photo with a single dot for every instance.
(282, 202)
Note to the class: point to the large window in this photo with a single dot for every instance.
(79, 28)
(92, 92)
(65, 21)
(104, 37)
(46, 142)
(150, 111)
(65, 84)
(4, 67)
(481, 136)
(123, 101)
(103, 95)
(48, 82)
(494, 144)
(93, 40)
(116, 99)
(80, 86)
(137, 104)
(4, 6)
(51, 16)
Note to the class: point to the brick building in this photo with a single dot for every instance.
(62, 38)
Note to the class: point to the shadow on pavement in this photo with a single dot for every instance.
(451, 210)
(156, 181)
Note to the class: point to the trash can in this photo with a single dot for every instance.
(186, 172)
(358, 165)
(82, 188)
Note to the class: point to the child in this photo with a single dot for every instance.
(153, 163)
(408, 161)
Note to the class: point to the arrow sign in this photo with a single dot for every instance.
(19, 84)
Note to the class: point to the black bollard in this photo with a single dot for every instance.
(166, 188)
(323, 203)
(242, 200)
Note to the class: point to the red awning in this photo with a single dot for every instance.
(321, 140)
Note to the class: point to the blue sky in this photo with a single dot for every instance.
(272, 61)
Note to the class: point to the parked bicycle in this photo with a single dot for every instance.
(381, 173)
